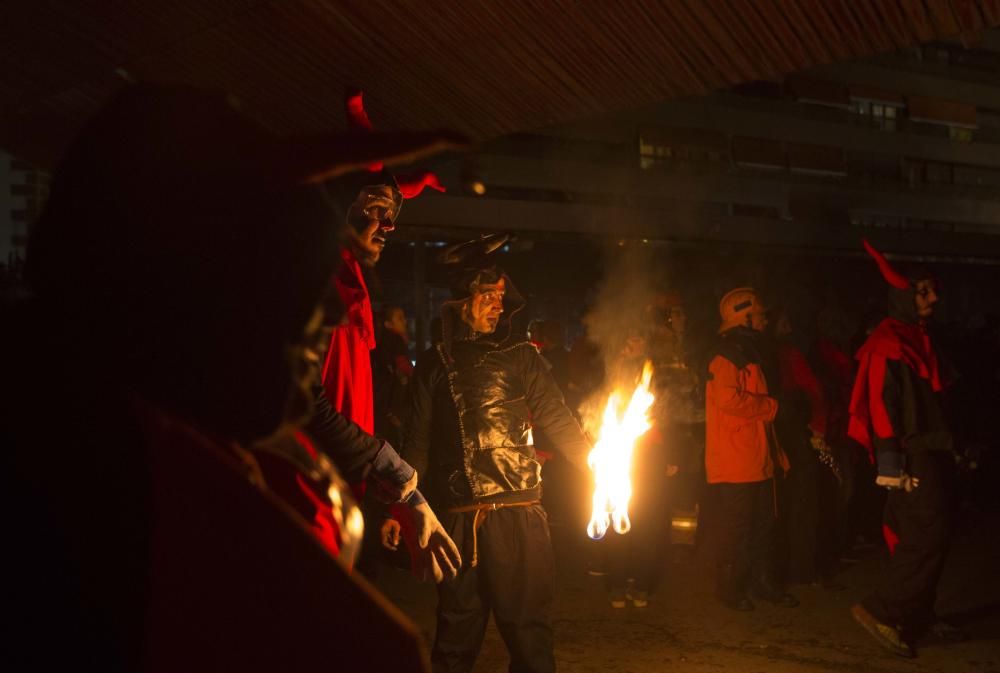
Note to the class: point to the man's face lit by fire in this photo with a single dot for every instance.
(483, 309)
(758, 321)
(372, 217)
(925, 296)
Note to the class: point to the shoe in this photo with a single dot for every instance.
(945, 631)
(618, 600)
(889, 637)
(639, 598)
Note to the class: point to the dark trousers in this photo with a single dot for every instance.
(923, 520)
(810, 512)
(638, 554)
(867, 503)
(514, 580)
(743, 517)
(800, 512)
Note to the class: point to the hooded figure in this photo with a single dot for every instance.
(476, 399)
(177, 274)
(896, 413)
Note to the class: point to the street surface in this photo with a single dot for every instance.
(683, 629)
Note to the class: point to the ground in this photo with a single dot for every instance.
(684, 629)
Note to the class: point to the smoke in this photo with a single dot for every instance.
(634, 273)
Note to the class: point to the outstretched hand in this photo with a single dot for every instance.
(436, 555)
(433, 554)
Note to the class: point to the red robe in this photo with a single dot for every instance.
(839, 370)
(347, 378)
(347, 371)
(892, 340)
(798, 376)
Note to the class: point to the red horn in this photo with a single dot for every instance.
(357, 118)
(893, 277)
(354, 105)
(411, 184)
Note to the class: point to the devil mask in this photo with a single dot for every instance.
(911, 296)
(376, 197)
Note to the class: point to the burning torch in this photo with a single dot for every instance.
(611, 458)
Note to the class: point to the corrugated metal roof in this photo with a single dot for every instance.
(485, 68)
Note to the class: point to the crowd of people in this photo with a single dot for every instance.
(799, 454)
(204, 409)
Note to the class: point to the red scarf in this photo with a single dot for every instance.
(892, 340)
(347, 371)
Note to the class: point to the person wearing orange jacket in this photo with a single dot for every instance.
(741, 455)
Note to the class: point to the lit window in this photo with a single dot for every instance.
(959, 134)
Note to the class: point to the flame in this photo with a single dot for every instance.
(611, 457)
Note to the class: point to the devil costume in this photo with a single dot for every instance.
(343, 419)
(896, 413)
(147, 536)
(475, 402)
(347, 371)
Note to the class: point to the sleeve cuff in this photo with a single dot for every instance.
(416, 498)
(890, 463)
(388, 465)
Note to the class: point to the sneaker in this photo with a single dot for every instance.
(618, 599)
(640, 599)
(889, 637)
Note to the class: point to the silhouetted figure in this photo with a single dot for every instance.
(176, 275)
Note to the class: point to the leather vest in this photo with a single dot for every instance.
(498, 459)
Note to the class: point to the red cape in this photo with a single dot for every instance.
(347, 372)
(892, 340)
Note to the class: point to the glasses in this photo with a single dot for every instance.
(379, 212)
(379, 204)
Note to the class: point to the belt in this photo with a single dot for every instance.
(482, 511)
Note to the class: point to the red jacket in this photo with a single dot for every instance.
(738, 414)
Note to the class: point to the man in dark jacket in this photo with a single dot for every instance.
(476, 399)
(896, 412)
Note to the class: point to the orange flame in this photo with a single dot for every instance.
(611, 457)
